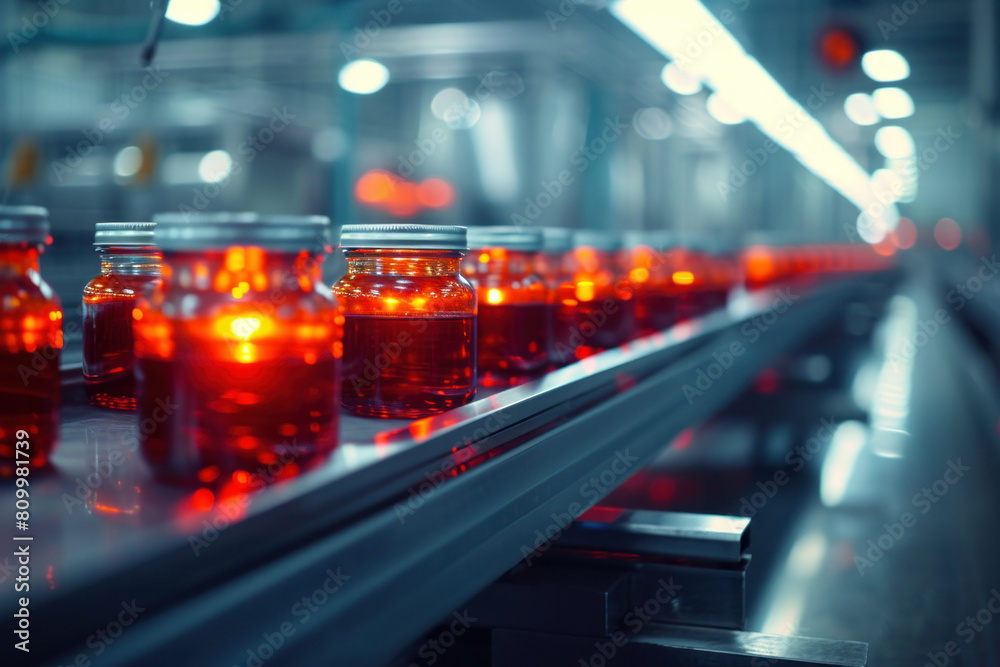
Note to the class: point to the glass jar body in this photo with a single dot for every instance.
(409, 332)
(108, 301)
(514, 315)
(605, 315)
(655, 300)
(554, 270)
(31, 339)
(237, 364)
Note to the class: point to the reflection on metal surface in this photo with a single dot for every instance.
(890, 409)
(112, 487)
(848, 441)
(789, 601)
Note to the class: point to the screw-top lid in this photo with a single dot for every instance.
(425, 237)
(24, 224)
(193, 231)
(124, 234)
(597, 239)
(556, 240)
(507, 237)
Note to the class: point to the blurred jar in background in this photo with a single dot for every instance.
(409, 320)
(238, 348)
(514, 314)
(31, 338)
(604, 314)
(552, 265)
(130, 263)
(650, 276)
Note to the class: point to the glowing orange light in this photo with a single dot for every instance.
(404, 201)
(585, 290)
(136, 314)
(436, 193)
(374, 187)
(484, 258)
(494, 296)
(244, 327)
(947, 233)
(639, 275)
(683, 278)
(208, 474)
(759, 264)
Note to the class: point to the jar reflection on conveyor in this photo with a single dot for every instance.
(31, 338)
(409, 320)
(130, 263)
(238, 348)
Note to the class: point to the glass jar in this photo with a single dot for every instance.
(409, 320)
(238, 348)
(604, 312)
(650, 277)
(552, 264)
(514, 315)
(129, 264)
(30, 342)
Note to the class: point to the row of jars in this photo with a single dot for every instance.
(219, 330)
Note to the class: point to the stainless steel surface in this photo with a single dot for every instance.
(512, 238)
(667, 534)
(665, 645)
(180, 231)
(437, 237)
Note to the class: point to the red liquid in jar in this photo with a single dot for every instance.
(563, 326)
(512, 342)
(29, 401)
(235, 415)
(30, 343)
(603, 324)
(107, 351)
(655, 311)
(408, 367)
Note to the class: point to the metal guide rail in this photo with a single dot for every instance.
(405, 522)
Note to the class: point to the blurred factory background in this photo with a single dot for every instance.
(457, 112)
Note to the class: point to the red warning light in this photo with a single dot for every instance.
(839, 47)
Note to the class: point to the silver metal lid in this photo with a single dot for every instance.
(429, 237)
(557, 239)
(192, 231)
(24, 224)
(507, 237)
(597, 239)
(124, 234)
